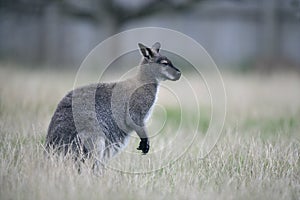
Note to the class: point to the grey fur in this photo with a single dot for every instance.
(97, 119)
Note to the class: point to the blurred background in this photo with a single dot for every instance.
(238, 34)
(256, 46)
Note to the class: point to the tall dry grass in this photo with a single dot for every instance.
(257, 157)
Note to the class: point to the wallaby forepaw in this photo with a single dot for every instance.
(144, 146)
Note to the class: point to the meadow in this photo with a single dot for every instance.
(256, 157)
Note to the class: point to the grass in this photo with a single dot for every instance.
(257, 156)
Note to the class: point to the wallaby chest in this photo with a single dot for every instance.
(141, 101)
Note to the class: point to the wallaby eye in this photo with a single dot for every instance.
(164, 62)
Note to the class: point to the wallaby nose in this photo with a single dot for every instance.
(178, 74)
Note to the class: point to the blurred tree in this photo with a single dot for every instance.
(272, 17)
(271, 26)
(111, 14)
(49, 36)
(116, 13)
(31, 8)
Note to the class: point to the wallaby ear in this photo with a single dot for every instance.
(156, 47)
(146, 51)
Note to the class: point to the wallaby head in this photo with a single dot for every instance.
(156, 66)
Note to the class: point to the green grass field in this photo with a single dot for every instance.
(257, 156)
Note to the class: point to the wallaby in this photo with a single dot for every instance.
(97, 119)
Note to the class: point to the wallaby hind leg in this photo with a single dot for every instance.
(95, 146)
